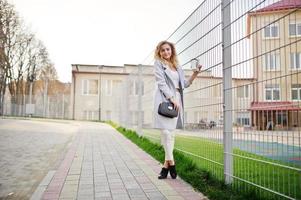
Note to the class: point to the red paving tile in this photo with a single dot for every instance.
(56, 185)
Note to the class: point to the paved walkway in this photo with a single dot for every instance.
(29, 149)
(102, 164)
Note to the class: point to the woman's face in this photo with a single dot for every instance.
(165, 51)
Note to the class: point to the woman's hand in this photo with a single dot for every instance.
(176, 104)
(195, 73)
(198, 69)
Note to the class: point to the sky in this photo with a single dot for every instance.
(101, 32)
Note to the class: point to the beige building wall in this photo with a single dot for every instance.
(206, 103)
(101, 103)
(242, 96)
(283, 77)
(203, 99)
(285, 44)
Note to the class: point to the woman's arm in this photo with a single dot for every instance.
(160, 79)
(187, 83)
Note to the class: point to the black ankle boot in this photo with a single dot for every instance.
(172, 171)
(163, 173)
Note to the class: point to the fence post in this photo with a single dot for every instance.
(139, 130)
(125, 111)
(227, 92)
(63, 106)
(45, 98)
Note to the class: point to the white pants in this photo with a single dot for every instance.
(168, 142)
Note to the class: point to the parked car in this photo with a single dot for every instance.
(204, 124)
(212, 124)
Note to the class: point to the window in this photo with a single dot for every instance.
(272, 92)
(185, 117)
(246, 91)
(89, 87)
(109, 115)
(117, 85)
(108, 87)
(85, 87)
(137, 88)
(93, 87)
(295, 61)
(295, 29)
(281, 118)
(296, 92)
(271, 61)
(271, 31)
(243, 91)
(243, 121)
(90, 115)
(134, 87)
(243, 118)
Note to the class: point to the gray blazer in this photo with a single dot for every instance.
(165, 84)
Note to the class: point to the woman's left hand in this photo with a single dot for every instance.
(198, 70)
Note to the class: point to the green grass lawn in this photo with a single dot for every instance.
(277, 178)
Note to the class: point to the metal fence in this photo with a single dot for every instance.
(242, 112)
(41, 105)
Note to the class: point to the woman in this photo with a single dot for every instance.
(171, 82)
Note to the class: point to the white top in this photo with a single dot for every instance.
(175, 78)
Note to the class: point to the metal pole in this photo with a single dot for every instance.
(99, 93)
(30, 97)
(73, 95)
(48, 101)
(139, 130)
(30, 92)
(45, 97)
(63, 106)
(126, 110)
(227, 92)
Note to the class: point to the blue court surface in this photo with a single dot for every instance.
(276, 151)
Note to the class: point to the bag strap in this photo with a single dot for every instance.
(181, 92)
(162, 91)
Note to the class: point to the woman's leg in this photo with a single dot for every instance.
(172, 162)
(168, 140)
(163, 143)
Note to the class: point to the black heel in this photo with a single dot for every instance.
(173, 171)
(163, 173)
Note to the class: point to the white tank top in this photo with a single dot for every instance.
(175, 77)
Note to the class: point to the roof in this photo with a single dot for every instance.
(274, 106)
(89, 65)
(280, 5)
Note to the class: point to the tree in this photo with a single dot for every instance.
(23, 58)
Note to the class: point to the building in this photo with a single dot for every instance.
(101, 92)
(275, 33)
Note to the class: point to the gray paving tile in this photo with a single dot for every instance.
(121, 197)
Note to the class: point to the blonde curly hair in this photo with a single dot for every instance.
(173, 59)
